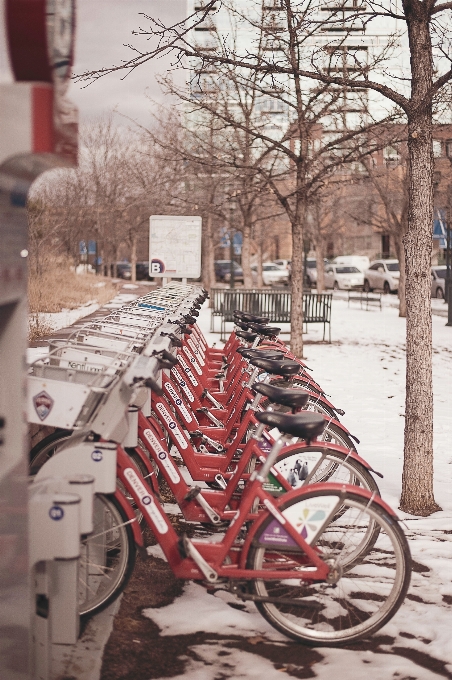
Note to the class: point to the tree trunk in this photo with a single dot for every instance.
(133, 259)
(208, 266)
(246, 256)
(417, 482)
(319, 258)
(296, 330)
(259, 281)
(400, 251)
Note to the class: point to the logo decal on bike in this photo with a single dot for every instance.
(187, 370)
(275, 534)
(43, 404)
(167, 463)
(56, 513)
(178, 402)
(146, 500)
(97, 455)
(183, 385)
(167, 417)
(309, 516)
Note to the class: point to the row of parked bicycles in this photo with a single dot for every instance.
(252, 451)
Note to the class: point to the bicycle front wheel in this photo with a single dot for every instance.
(107, 557)
(369, 579)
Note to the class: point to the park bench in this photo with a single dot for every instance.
(365, 299)
(274, 304)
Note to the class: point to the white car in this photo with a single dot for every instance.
(384, 275)
(272, 274)
(343, 277)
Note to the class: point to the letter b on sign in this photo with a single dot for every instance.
(157, 267)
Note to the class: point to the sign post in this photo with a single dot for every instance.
(175, 247)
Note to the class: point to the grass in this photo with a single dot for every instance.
(56, 287)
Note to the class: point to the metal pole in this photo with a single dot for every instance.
(231, 248)
(448, 287)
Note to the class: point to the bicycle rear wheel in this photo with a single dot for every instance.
(369, 579)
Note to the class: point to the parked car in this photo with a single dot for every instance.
(439, 281)
(343, 277)
(360, 261)
(223, 270)
(382, 274)
(284, 264)
(272, 273)
(123, 270)
(311, 271)
(142, 270)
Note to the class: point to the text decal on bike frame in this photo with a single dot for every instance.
(172, 425)
(178, 402)
(162, 455)
(187, 370)
(146, 500)
(183, 385)
(192, 360)
(196, 352)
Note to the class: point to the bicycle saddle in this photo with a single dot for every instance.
(277, 367)
(268, 331)
(305, 425)
(260, 353)
(282, 395)
(250, 317)
(249, 337)
(242, 325)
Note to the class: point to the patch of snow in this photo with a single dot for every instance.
(130, 285)
(67, 317)
(213, 614)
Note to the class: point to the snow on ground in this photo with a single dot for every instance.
(363, 370)
(57, 320)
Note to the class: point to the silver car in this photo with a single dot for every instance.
(439, 281)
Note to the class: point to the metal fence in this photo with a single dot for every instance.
(274, 304)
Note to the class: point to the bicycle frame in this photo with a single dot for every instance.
(230, 549)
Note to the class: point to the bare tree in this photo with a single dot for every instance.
(426, 29)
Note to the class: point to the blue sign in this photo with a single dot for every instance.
(237, 242)
(440, 227)
(82, 248)
(92, 247)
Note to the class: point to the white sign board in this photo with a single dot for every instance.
(175, 246)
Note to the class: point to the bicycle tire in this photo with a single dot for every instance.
(352, 607)
(102, 581)
(45, 449)
(335, 435)
(353, 472)
(48, 446)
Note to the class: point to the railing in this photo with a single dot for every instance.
(365, 299)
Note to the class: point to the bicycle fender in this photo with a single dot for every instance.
(347, 453)
(124, 503)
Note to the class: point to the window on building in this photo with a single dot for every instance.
(449, 148)
(271, 104)
(437, 148)
(391, 155)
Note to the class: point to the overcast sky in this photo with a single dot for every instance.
(103, 27)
